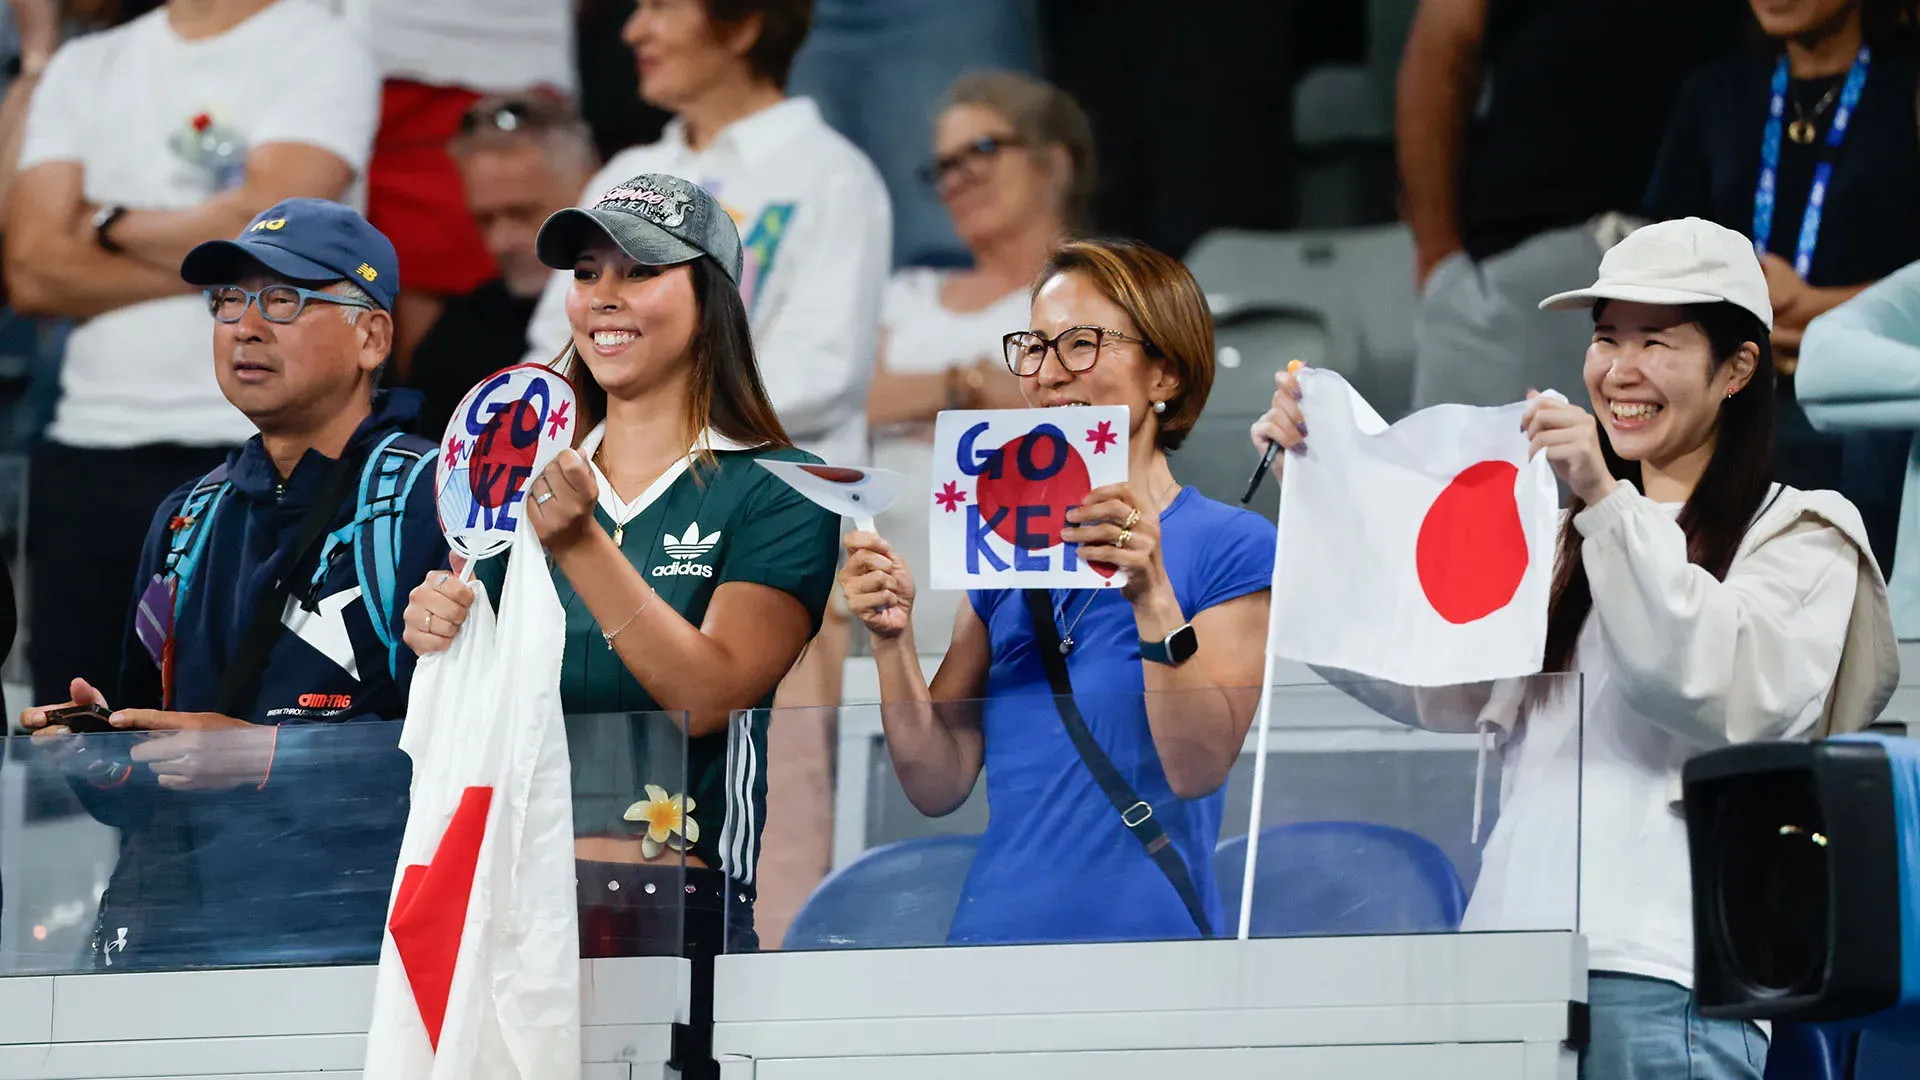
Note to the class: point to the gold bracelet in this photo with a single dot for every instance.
(644, 604)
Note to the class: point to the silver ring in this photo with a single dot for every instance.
(429, 625)
(543, 498)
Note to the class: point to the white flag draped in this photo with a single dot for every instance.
(480, 969)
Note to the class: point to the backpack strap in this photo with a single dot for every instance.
(385, 485)
(189, 529)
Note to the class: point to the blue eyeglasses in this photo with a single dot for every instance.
(278, 303)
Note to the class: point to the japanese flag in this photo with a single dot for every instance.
(480, 970)
(1420, 553)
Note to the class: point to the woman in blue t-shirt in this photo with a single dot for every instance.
(1165, 670)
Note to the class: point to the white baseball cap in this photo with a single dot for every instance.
(1685, 261)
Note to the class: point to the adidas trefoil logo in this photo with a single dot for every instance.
(684, 550)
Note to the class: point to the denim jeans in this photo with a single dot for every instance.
(1649, 1029)
(878, 69)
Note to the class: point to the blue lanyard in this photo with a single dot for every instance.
(1822, 173)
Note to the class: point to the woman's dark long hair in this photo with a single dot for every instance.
(727, 394)
(1724, 503)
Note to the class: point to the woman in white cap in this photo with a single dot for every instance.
(1701, 603)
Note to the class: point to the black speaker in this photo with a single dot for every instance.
(1796, 852)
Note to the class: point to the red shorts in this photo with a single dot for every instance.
(415, 194)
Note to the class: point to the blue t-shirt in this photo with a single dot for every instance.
(1056, 863)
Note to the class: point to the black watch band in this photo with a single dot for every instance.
(1176, 649)
(103, 220)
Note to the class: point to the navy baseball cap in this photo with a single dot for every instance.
(307, 240)
(658, 220)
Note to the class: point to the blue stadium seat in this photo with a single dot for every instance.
(1342, 877)
(897, 896)
(1886, 1054)
(1808, 1052)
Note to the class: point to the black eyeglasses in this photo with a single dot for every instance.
(1078, 348)
(968, 158)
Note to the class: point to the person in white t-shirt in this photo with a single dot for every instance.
(439, 58)
(816, 230)
(143, 141)
(1701, 604)
(1013, 162)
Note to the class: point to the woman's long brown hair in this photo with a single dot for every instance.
(727, 394)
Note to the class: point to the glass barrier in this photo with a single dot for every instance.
(983, 822)
(277, 846)
(1391, 810)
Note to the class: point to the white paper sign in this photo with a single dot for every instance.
(1003, 481)
(506, 430)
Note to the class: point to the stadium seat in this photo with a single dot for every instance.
(1359, 281)
(1808, 1052)
(1342, 877)
(1251, 341)
(898, 896)
(1884, 1054)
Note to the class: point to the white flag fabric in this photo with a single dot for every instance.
(1420, 553)
(480, 969)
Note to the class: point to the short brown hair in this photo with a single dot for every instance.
(1044, 116)
(783, 29)
(1165, 303)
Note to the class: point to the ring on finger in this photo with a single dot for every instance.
(1125, 535)
(544, 497)
(429, 623)
(1126, 527)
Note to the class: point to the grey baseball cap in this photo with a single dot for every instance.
(658, 220)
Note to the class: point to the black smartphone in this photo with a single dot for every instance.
(82, 719)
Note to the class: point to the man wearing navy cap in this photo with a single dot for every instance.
(260, 813)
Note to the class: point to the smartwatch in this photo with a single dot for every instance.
(1176, 649)
(103, 220)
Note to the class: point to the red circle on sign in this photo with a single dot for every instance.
(1472, 550)
(1065, 488)
(509, 441)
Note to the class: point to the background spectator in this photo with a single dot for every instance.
(1013, 162)
(1859, 370)
(143, 141)
(1711, 167)
(877, 69)
(521, 158)
(1500, 105)
(438, 57)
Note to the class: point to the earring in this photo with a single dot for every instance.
(1159, 406)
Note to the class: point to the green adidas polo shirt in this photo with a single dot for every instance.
(703, 524)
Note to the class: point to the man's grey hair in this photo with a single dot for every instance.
(351, 291)
(569, 146)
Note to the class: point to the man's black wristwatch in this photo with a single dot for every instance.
(103, 220)
(1176, 649)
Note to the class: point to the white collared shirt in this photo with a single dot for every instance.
(816, 230)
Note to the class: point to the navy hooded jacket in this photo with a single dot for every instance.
(298, 869)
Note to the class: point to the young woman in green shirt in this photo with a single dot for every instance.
(692, 578)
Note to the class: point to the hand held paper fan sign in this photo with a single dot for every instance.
(1003, 481)
(506, 430)
(855, 492)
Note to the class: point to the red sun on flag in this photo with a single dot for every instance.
(1472, 550)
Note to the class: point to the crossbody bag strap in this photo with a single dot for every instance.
(1135, 813)
(241, 683)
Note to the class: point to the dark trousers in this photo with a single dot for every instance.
(629, 909)
(88, 512)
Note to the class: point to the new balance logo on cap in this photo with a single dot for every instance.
(684, 550)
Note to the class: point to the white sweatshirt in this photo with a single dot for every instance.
(1796, 642)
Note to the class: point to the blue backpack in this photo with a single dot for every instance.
(386, 480)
